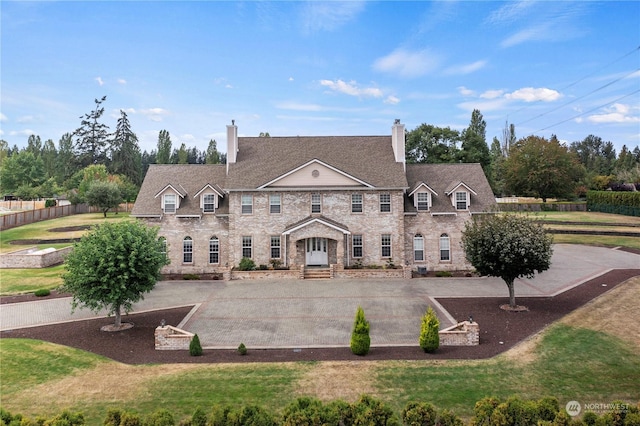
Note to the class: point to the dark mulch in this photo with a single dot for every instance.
(500, 330)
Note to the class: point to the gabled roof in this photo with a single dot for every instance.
(419, 185)
(316, 219)
(215, 188)
(176, 188)
(440, 177)
(352, 180)
(368, 159)
(189, 178)
(453, 187)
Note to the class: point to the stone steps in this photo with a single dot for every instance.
(317, 273)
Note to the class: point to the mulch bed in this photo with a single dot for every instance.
(499, 331)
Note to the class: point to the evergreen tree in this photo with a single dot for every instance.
(92, 137)
(360, 340)
(34, 145)
(163, 154)
(430, 331)
(49, 158)
(66, 163)
(125, 153)
(474, 143)
(182, 156)
(213, 155)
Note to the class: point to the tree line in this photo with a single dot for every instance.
(45, 170)
(530, 166)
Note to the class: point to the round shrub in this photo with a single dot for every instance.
(360, 340)
(43, 292)
(246, 264)
(429, 336)
(242, 349)
(419, 413)
(195, 349)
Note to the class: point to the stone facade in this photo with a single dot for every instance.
(169, 338)
(462, 334)
(329, 201)
(34, 258)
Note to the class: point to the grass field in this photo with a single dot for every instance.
(584, 357)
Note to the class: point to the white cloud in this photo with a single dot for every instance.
(491, 94)
(3, 117)
(351, 88)
(484, 106)
(465, 69)
(531, 94)
(616, 113)
(99, 80)
(466, 92)
(25, 119)
(25, 132)
(393, 100)
(154, 114)
(328, 16)
(122, 81)
(509, 11)
(407, 63)
(290, 78)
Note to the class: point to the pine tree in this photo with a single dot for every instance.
(360, 340)
(429, 331)
(92, 137)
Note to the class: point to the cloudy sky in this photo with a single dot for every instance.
(569, 68)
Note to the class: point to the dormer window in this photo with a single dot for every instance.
(423, 201)
(208, 203)
(169, 203)
(462, 200)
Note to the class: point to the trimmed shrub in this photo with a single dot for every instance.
(242, 349)
(448, 418)
(370, 411)
(191, 277)
(429, 336)
(199, 418)
(161, 417)
(113, 418)
(50, 203)
(483, 411)
(252, 415)
(360, 340)
(246, 264)
(43, 292)
(443, 274)
(220, 415)
(195, 349)
(130, 419)
(419, 414)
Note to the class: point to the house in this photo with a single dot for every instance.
(313, 201)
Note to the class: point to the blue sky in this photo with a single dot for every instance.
(321, 68)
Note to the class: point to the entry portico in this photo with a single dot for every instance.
(317, 241)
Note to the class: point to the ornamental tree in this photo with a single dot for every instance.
(112, 267)
(508, 246)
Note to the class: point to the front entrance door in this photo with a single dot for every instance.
(317, 253)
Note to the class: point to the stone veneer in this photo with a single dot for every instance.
(169, 338)
(34, 258)
(462, 334)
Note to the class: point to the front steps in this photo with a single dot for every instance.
(316, 273)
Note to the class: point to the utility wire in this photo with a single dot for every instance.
(587, 112)
(579, 97)
(583, 78)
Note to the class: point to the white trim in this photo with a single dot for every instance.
(315, 161)
(455, 188)
(211, 188)
(344, 231)
(444, 213)
(426, 186)
(188, 215)
(174, 190)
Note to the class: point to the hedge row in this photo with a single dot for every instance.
(367, 411)
(625, 203)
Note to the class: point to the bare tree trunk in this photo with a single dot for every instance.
(118, 322)
(512, 294)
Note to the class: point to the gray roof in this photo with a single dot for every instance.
(367, 158)
(442, 177)
(189, 179)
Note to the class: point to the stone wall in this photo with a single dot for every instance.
(34, 258)
(169, 338)
(462, 334)
(287, 274)
(371, 273)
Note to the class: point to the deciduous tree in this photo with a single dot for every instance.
(104, 195)
(163, 155)
(113, 266)
(507, 246)
(431, 144)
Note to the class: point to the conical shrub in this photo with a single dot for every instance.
(360, 340)
(195, 349)
(429, 337)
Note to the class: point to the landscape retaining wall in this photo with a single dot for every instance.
(462, 334)
(33, 258)
(169, 338)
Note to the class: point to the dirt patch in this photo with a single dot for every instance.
(338, 380)
(71, 228)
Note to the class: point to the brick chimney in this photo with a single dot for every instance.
(397, 142)
(232, 143)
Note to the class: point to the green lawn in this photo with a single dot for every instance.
(569, 363)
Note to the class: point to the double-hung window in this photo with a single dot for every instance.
(208, 203)
(274, 203)
(247, 204)
(418, 248)
(445, 248)
(247, 246)
(275, 246)
(423, 201)
(187, 250)
(385, 244)
(461, 200)
(356, 244)
(214, 250)
(385, 203)
(356, 203)
(169, 201)
(316, 203)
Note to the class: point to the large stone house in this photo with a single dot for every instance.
(297, 202)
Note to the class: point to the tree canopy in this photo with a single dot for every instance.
(507, 246)
(104, 195)
(113, 266)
